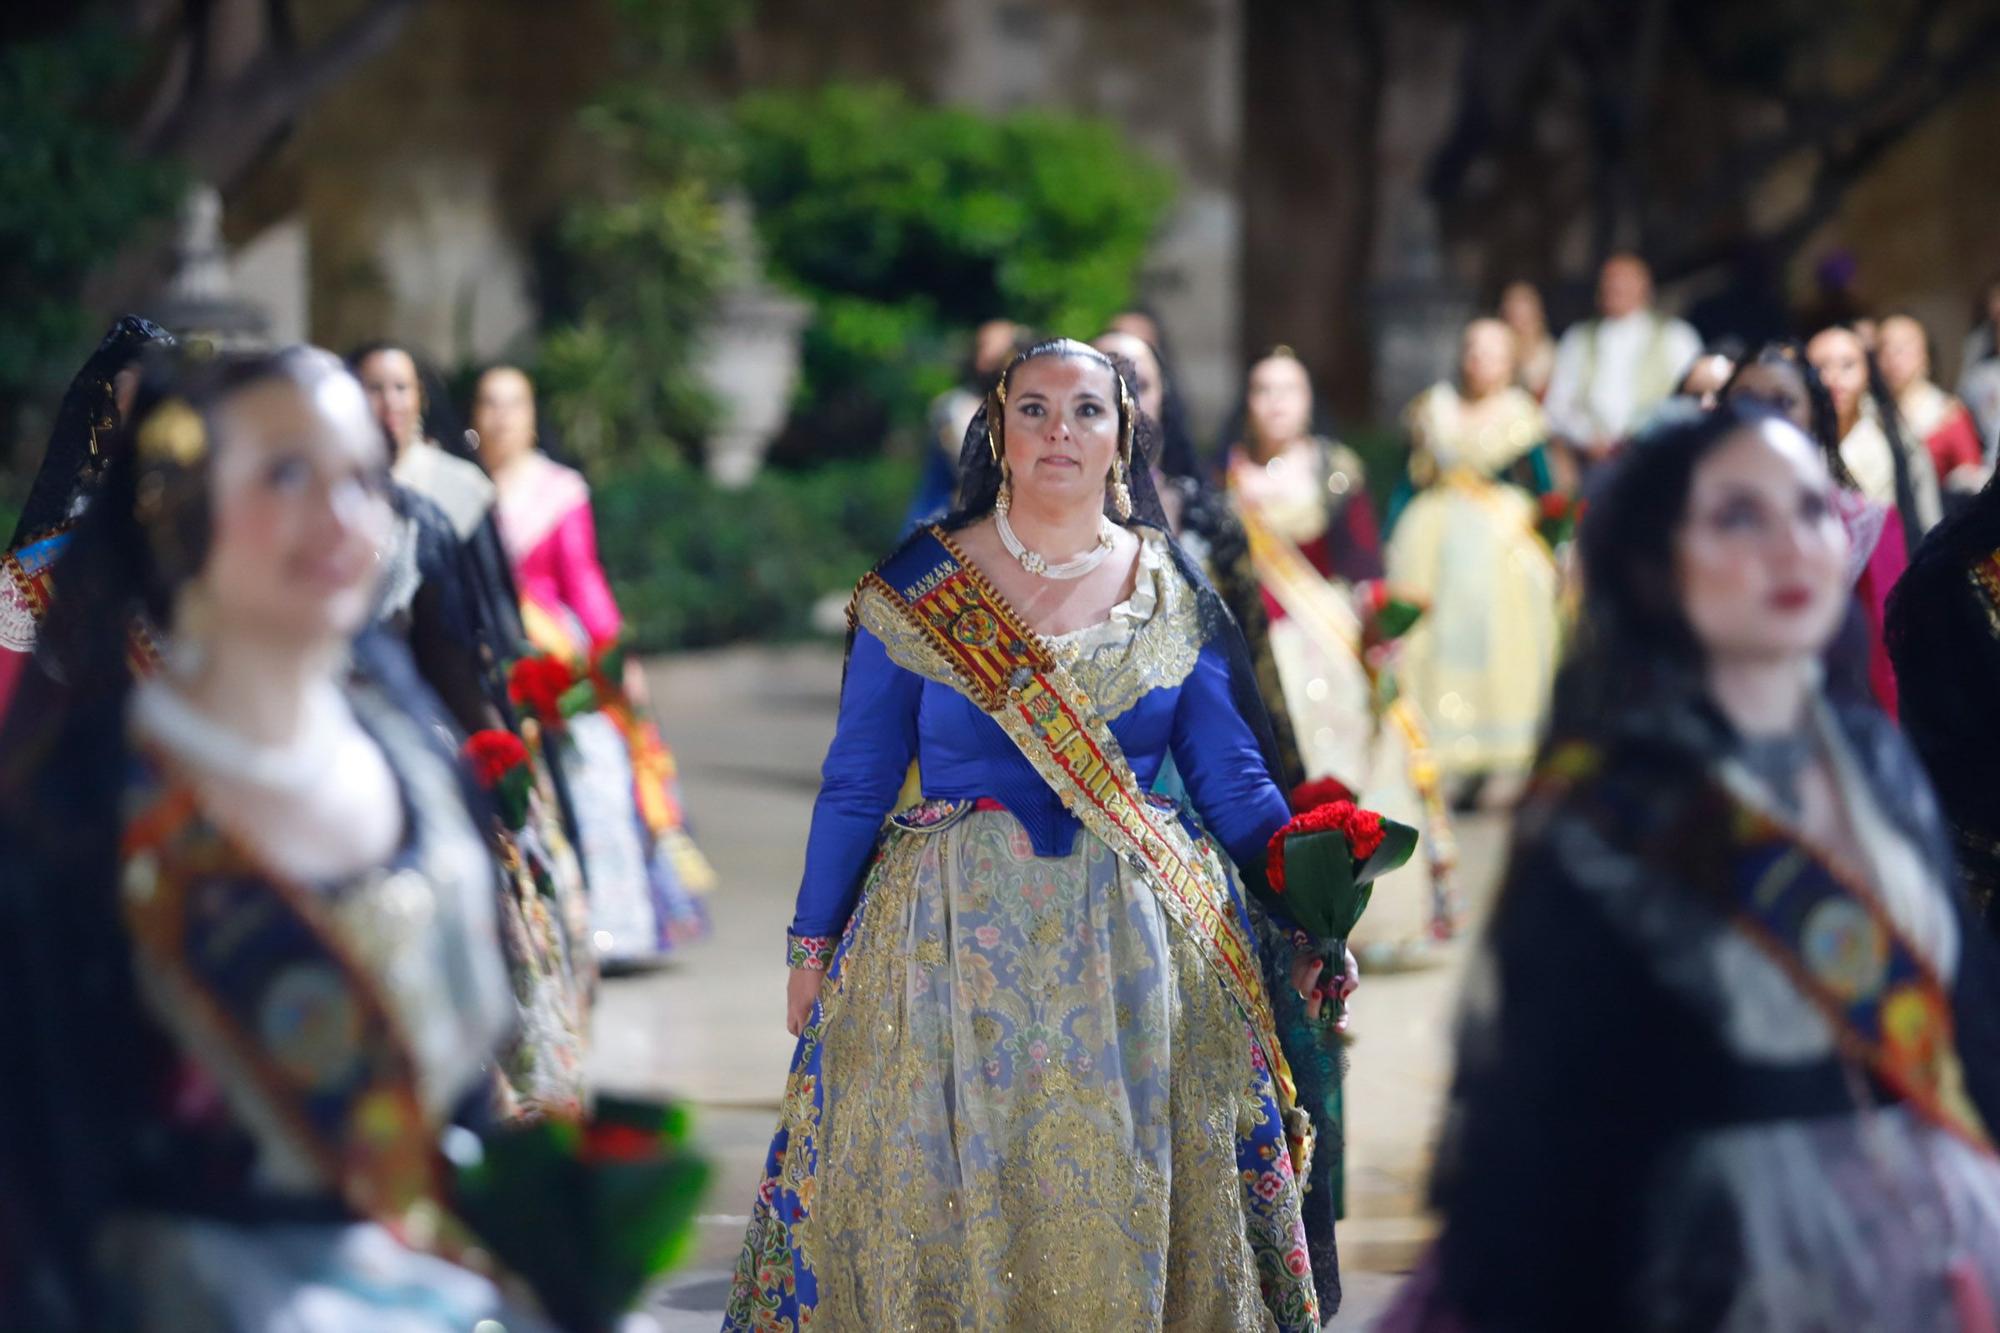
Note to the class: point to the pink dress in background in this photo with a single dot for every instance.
(1878, 553)
(645, 874)
(545, 520)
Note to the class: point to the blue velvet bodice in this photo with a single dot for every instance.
(890, 715)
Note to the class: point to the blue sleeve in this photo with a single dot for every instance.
(1222, 765)
(873, 744)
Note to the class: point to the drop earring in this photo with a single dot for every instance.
(1121, 494)
(1003, 501)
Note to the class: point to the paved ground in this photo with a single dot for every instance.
(750, 727)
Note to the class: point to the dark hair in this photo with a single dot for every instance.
(1891, 418)
(986, 439)
(147, 531)
(548, 435)
(1234, 430)
(439, 418)
(1175, 455)
(1790, 354)
(1633, 645)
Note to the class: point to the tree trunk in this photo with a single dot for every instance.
(1313, 83)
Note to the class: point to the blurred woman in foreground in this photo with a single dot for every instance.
(248, 952)
(1729, 1057)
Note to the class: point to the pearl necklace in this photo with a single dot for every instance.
(1035, 563)
(202, 742)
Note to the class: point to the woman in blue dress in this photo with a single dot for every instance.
(1038, 1083)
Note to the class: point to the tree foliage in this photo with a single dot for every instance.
(638, 266)
(907, 224)
(72, 194)
(1663, 122)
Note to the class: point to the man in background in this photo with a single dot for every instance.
(1612, 371)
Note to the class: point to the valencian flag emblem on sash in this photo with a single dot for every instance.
(27, 578)
(1010, 673)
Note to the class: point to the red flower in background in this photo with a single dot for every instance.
(493, 755)
(1555, 507)
(537, 684)
(612, 1142)
(1362, 828)
(1319, 791)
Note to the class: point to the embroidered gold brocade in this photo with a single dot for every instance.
(1034, 1096)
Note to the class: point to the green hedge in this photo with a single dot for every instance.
(695, 565)
(906, 224)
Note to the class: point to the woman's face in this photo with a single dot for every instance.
(1486, 358)
(1761, 557)
(1521, 307)
(1842, 364)
(503, 412)
(1147, 385)
(1902, 353)
(1061, 430)
(1779, 387)
(1280, 400)
(394, 395)
(299, 511)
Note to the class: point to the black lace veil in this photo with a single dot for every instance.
(86, 425)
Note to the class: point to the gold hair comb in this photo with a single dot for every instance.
(173, 435)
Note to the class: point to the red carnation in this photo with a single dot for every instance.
(537, 684)
(608, 1141)
(1362, 829)
(1319, 791)
(493, 755)
(1555, 507)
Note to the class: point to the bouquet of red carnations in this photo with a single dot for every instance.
(1321, 867)
(499, 762)
(1555, 517)
(549, 691)
(586, 1214)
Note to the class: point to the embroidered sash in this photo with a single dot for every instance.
(1336, 631)
(27, 576)
(1985, 575)
(1007, 670)
(262, 972)
(1300, 588)
(1887, 1007)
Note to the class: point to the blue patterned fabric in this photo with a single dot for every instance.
(890, 716)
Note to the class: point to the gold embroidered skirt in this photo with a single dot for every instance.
(1024, 1103)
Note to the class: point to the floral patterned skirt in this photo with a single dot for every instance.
(1023, 1102)
(642, 903)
